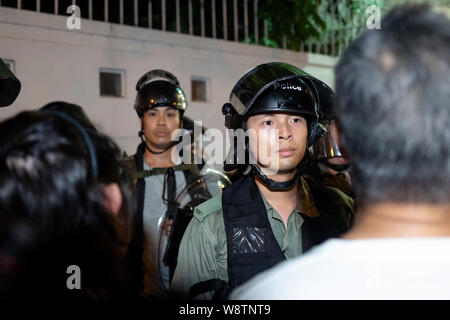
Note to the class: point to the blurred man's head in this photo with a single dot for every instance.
(393, 93)
(67, 184)
(72, 110)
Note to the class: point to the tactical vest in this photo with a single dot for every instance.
(251, 244)
(135, 166)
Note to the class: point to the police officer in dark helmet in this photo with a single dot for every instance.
(160, 104)
(271, 213)
(329, 166)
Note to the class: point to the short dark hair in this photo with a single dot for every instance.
(73, 110)
(46, 181)
(393, 103)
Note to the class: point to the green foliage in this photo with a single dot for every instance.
(298, 20)
(262, 41)
(360, 6)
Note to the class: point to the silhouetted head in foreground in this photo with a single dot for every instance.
(393, 93)
(65, 201)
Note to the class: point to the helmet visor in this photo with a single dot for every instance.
(327, 145)
(255, 81)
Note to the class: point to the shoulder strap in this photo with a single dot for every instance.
(208, 207)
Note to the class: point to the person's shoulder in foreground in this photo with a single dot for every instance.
(358, 269)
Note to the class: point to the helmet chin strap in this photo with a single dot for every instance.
(272, 184)
(161, 152)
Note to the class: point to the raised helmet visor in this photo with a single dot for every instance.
(260, 78)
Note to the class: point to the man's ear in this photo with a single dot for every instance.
(113, 198)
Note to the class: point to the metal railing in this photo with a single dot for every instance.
(231, 20)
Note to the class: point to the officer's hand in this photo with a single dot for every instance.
(167, 226)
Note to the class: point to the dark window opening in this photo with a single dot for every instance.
(199, 90)
(111, 82)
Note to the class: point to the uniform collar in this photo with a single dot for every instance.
(305, 204)
(273, 213)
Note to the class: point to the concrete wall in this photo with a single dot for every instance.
(54, 63)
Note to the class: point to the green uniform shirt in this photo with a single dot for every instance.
(203, 250)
